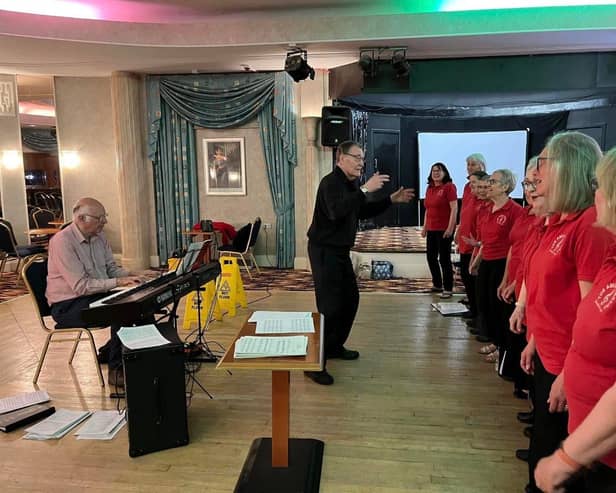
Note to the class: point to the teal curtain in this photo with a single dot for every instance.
(176, 104)
(175, 181)
(277, 124)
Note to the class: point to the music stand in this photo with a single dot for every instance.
(198, 349)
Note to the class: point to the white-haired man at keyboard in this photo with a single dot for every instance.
(81, 270)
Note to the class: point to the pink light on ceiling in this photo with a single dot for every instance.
(56, 8)
(146, 11)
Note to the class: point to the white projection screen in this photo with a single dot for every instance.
(505, 149)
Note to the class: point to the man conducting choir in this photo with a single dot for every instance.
(81, 270)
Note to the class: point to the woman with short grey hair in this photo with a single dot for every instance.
(494, 240)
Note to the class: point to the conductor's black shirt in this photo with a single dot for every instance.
(339, 206)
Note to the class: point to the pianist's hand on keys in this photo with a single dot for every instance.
(129, 281)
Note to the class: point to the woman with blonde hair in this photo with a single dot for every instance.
(590, 367)
(557, 276)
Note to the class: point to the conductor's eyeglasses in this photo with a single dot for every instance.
(359, 157)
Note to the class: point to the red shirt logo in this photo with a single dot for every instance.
(557, 244)
(501, 220)
(606, 297)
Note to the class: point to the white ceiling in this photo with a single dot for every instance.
(179, 36)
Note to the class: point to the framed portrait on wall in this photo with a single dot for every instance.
(225, 166)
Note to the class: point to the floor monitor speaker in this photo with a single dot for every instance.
(155, 398)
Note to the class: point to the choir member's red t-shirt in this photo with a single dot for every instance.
(517, 236)
(590, 367)
(437, 206)
(467, 216)
(494, 229)
(572, 249)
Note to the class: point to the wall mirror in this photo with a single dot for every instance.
(37, 117)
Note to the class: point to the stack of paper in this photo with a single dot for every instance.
(450, 308)
(266, 347)
(57, 425)
(282, 322)
(103, 425)
(20, 401)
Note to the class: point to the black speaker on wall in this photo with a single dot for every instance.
(336, 125)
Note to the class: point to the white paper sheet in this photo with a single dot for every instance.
(57, 425)
(265, 315)
(142, 336)
(102, 425)
(450, 308)
(20, 401)
(265, 347)
(286, 326)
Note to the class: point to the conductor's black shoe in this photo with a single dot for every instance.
(526, 417)
(115, 377)
(344, 353)
(528, 431)
(481, 338)
(320, 377)
(522, 454)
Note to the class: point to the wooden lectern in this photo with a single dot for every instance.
(280, 464)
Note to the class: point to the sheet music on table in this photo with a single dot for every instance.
(266, 347)
(285, 326)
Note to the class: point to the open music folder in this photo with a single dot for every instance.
(267, 347)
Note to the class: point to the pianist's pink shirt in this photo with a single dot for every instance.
(79, 267)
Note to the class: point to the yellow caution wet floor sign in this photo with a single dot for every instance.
(191, 311)
(231, 291)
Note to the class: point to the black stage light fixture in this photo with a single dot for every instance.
(367, 63)
(296, 65)
(400, 64)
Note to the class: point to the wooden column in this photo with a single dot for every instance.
(280, 418)
(127, 100)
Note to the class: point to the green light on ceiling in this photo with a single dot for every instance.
(462, 5)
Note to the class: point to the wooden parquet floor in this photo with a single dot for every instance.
(418, 412)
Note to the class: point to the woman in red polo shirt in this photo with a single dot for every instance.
(441, 204)
(474, 163)
(492, 256)
(590, 366)
(560, 273)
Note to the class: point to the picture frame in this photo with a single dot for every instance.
(225, 166)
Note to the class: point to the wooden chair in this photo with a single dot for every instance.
(35, 276)
(243, 244)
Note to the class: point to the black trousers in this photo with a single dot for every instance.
(550, 429)
(438, 254)
(494, 319)
(68, 314)
(336, 292)
(599, 479)
(469, 282)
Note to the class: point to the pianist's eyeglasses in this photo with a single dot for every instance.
(100, 219)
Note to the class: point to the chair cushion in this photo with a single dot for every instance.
(25, 250)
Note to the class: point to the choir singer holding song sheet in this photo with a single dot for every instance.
(339, 205)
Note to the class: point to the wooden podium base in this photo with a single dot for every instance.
(302, 476)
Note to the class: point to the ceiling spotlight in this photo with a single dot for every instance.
(367, 63)
(400, 64)
(296, 65)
